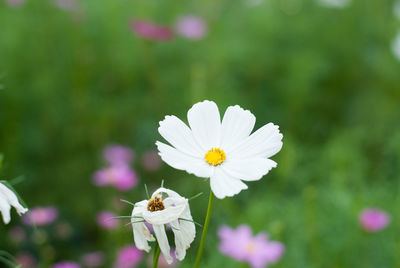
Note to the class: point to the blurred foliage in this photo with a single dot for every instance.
(77, 81)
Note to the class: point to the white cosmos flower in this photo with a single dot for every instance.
(164, 207)
(8, 199)
(223, 151)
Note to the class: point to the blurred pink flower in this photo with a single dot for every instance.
(116, 155)
(40, 216)
(17, 234)
(151, 31)
(121, 177)
(67, 5)
(151, 160)
(373, 219)
(241, 245)
(93, 259)
(104, 220)
(15, 3)
(66, 264)
(191, 27)
(128, 257)
(26, 260)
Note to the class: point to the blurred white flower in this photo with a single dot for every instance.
(396, 9)
(8, 199)
(396, 46)
(335, 3)
(223, 151)
(164, 207)
(191, 27)
(253, 3)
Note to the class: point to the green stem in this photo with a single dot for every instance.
(205, 229)
(156, 255)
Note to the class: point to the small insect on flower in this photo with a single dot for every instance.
(164, 207)
(7, 199)
(226, 152)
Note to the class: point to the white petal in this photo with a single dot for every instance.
(5, 209)
(249, 169)
(182, 161)
(139, 208)
(224, 185)
(180, 136)
(141, 233)
(12, 199)
(205, 122)
(170, 213)
(162, 240)
(169, 192)
(237, 125)
(265, 142)
(180, 246)
(185, 232)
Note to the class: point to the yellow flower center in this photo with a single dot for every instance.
(215, 156)
(155, 204)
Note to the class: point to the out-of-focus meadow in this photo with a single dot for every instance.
(75, 78)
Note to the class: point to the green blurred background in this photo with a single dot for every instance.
(75, 81)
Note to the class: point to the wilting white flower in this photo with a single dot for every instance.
(396, 46)
(164, 207)
(8, 199)
(223, 151)
(335, 3)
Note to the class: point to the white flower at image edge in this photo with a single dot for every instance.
(164, 207)
(223, 151)
(396, 46)
(8, 199)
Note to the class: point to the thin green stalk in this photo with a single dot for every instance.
(205, 229)
(156, 255)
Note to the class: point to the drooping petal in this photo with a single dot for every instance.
(180, 246)
(265, 142)
(237, 125)
(248, 169)
(224, 185)
(184, 232)
(141, 233)
(187, 226)
(11, 199)
(180, 136)
(205, 122)
(182, 161)
(162, 240)
(5, 209)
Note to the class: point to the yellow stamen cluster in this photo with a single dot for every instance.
(155, 204)
(215, 156)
